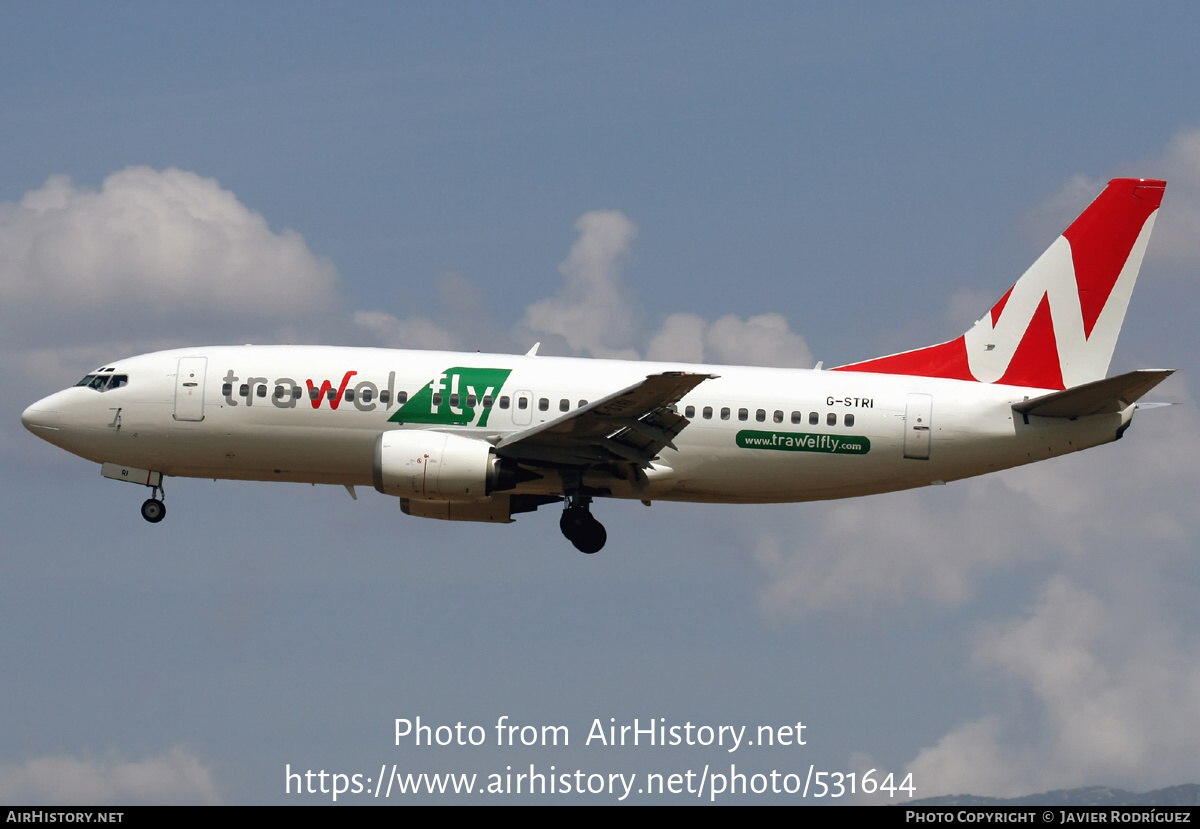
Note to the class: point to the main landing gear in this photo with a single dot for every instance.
(581, 529)
(153, 508)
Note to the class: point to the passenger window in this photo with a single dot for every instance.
(778, 416)
(227, 389)
(813, 418)
(522, 403)
(454, 400)
(401, 397)
(760, 415)
(314, 394)
(279, 392)
(582, 403)
(849, 420)
(366, 396)
(488, 401)
(471, 401)
(543, 404)
(296, 392)
(244, 390)
(349, 395)
(437, 399)
(689, 412)
(724, 413)
(743, 414)
(796, 417)
(384, 397)
(331, 395)
(261, 391)
(564, 405)
(707, 413)
(831, 419)
(504, 401)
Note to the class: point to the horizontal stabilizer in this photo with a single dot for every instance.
(1108, 396)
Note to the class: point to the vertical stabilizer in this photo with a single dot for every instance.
(1057, 327)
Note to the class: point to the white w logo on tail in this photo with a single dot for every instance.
(1057, 327)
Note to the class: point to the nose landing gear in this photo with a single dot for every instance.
(581, 529)
(153, 508)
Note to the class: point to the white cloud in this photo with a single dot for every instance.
(166, 239)
(592, 312)
(681, 339)
(175, 777)
(1175, 235)
(414, 332)
(1117, 699)
(762, 340)
(938, 543)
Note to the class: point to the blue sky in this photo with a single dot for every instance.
(795, 182)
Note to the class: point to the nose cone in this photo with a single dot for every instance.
(42, 419)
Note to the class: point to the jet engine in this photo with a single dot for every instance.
(437, 466)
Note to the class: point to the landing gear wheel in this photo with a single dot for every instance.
(154, 510)
(581, 529)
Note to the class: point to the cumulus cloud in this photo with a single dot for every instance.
(1117, 699)
(762, 340)
(175, 777)
(594, 314)
(463, 322)
(939, 543)
(1175, 236)
(166, 239)
(592, 311)
(413, 332)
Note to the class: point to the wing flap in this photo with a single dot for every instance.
(629, 426)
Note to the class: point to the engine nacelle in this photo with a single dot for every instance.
(435, 466)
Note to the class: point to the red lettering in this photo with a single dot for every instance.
(325, 387)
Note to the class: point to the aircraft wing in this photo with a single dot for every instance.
(629, 426)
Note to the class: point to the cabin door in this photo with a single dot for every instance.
(918, 426)
(189, 388)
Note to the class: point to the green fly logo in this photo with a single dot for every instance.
(454, 398)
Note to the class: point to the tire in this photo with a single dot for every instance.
(154, 510)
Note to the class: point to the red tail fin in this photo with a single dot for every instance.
(1057, 327)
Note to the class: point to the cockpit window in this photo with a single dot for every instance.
(104, 382)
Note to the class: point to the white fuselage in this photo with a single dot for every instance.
(755, 435)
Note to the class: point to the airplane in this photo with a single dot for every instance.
(484, 437)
